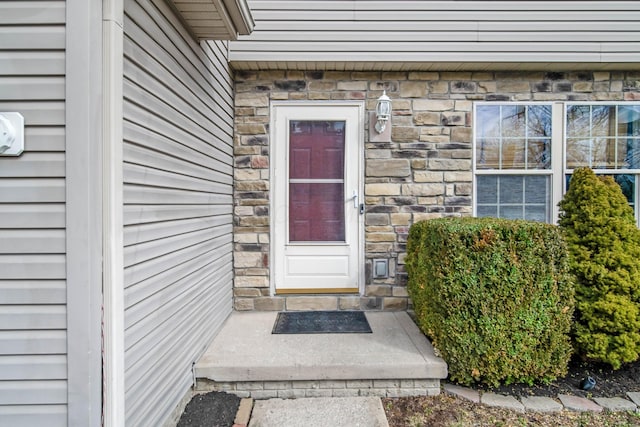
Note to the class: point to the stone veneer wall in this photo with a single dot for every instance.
(425, 172)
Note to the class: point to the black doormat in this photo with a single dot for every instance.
(321, 322)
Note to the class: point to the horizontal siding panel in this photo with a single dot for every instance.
(160, 63)
(205, 154)
(32, 267)
(33, 415)
(174, 346)
(162, 409)
(32, 37)
(584, 35)
(181, 49)
(34, 367)
(32, 215)
(34, 316)
(47, 165)
(33, 392)
(31, 88)
(175, 352)
(439, 35)
(140, 233)
(219, 258)
(392, 14)
(33, 292)
(42, 241)
(134, 174)
(141, 318)
(454, 58)
(142, 214)
(33, 312)
(139, 272)
(167, 332)
(32, 63)
(36, 113)
(137, 194)
(151, 75)
(168, 113)
(178, 202)
(17, 342)
(44, 138)
(381, 29)
(145, 251)
(412, 47)
(32, 190)
(137, 114)
(32, 12)
(143, 156)
(426, 5)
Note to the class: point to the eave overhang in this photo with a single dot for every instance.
(216, 19)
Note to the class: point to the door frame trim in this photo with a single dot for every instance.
(360, 105)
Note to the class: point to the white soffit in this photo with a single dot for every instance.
(216, 19)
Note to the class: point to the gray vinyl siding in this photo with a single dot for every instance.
(33, 338)
(455, 35)
(178, 179)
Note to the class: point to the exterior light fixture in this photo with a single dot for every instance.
(383, 112)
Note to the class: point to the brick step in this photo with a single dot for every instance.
(246, 359)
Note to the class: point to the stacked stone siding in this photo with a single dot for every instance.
(425, 172)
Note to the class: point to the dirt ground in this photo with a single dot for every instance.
(449, 411)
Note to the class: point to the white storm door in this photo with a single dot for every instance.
(316, 170)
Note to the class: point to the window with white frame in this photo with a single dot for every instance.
(524, 153)
(513, 161)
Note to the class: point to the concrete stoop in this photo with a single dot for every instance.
(246, 359)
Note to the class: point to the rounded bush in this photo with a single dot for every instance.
(604, 247)
(495, 297)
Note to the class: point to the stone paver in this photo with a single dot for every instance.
(502, 401)
(615, 404)
(541, 404)
(319, 412)
(463, 392)
(579, 404)
(244, 413)
(635, 396)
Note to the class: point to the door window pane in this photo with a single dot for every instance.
(316, 150)
(316, 212)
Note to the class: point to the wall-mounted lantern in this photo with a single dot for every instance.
(383, 112)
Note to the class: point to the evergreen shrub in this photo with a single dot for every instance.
(604, 247)
(495, 297)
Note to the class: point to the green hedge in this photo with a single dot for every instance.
(604, 247)
(495, 296)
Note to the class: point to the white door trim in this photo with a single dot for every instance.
(360, 107)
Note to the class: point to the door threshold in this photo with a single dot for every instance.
(323, 291)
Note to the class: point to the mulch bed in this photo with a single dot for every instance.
(609, 382)
(214, 409)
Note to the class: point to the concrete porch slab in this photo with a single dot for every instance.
(246, 351)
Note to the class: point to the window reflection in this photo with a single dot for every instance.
(603, 136)
(513, 137)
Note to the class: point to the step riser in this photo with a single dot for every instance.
(323, 388)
